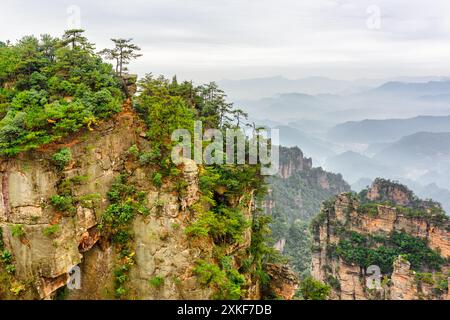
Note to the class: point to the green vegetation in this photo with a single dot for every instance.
(126, 203)
(438, 281)
(66, 202)
(51, 87)
(260, 252)
(123, 52)
(382, 251)
(298, 247)
(221, 211)
(17, 231)
(311, 289)
(133, 150)
(156, 282)
(61, 293)
(226, 280)
(296, 201)
(51, 230)
(333, 282)
(157, 179)
(62, 158)
(6, 258)
(63, 203)
(428, 209)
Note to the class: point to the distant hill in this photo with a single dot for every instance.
(414, 89)
(389, 130)
(266, 87)
(353, 165)
(313, 146)
(422, 148)
(286, 106)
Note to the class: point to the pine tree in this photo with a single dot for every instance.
(123, 52)
(75, 38)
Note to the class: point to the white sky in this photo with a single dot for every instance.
(213, 39)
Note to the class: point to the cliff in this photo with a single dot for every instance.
(407, 239)
(92, 205)
(51, 241)
(43, 261)
(299, 188)
(295, 195)
(292, 160)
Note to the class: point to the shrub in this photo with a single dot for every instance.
(156, 282)
(51, 230)
(42, 73)
(63, 203)
(17, 231)
(227, 281)
(126, 202)
(133, 150)
(333, 282)
(225, 226)
(6, 257)
(157, 179)
(62, 158)
(382, 251)
(79, 179)
(312, 289)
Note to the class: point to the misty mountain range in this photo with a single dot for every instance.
(270, 86)
(397, 129)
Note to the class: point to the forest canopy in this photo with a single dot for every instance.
(51, 87)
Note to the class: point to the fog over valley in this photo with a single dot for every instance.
(396, 128)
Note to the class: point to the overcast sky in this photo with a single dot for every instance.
(214, 39)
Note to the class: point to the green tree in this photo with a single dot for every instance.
(312, 289)
(48, 90)
(75, 38)
(123, 52)
(214, 109)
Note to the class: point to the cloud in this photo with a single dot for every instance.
(209, 40)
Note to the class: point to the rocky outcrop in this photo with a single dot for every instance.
(382, 190)
(48, 244)
(307, 186)
(30, 180)
(51, 243)
(349, 281)
(403, 286)
(292, 160)
(283, 281)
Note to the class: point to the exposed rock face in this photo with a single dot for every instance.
(381, 191)
(292, 160)
(283, 281)
(403, 286)
(403, 283)
(162, 249)
(279, 245)
(30, 180)
(296, 170)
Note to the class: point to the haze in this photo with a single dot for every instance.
(211, 40)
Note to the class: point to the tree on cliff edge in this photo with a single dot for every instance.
(123, 52)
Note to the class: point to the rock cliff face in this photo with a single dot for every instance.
(50, 243)
(292, 160)
(347, 215)
(298, 189)
(295, 195)
(284, 282)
